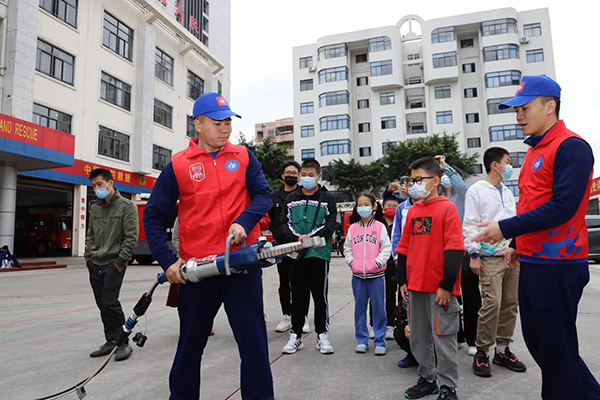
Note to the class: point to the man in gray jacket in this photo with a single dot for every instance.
(111, 240)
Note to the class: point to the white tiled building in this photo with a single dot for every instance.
(355, 91)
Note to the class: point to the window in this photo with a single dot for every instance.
(440, 35)
(364, 152)
(500, 52)
(306, 62)
(387, 98)
(271, 133)
(163, 67)
(413, 57)
(513, 185)
(492, 106)
(51, 118)
(444, 117)
(499, 26)
(417, 127)
(416, 103)
(535, 55)
(259, 136)
(472, 118)
(361, 58)
(334, 98)
(442, 92)
(307, 131)
(466, 44)
(113, 144)
(65, 10)
(332, 51)
(190, 130)
(380, 43)
(335, 147)
(517, 158)
(195, 86)
(54, 62)
(163, 113)
(117, 36)
(333, 74)
(505, 132)
(115, 91)
(307, 108)
(161, 157)
(386, 145)
(478, 169)
(306, 84)
(363, 104)
(468, 68)
(470, 93)
(335, 122)
(473, 143)
(441, 60)
(381, 68)
(532, 30)
(205, 24)
(362, 81)
(414, 80)
(388, 122)
(364, 127)
(504, 78)
(308, 153)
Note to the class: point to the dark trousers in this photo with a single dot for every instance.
(106, 283)
(471, 301)
(548, 298)
(310, 275)
(285, 286)
(199, 303)
(401, 338)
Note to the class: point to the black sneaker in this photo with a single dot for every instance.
(481, 365)
(123, 352)
(509, 360)
(447, 394)
(421, 389)
(104, 350)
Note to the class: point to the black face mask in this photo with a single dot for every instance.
(291, 180)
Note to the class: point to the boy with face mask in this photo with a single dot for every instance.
(309, 211)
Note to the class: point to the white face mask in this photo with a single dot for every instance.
(418, 191)
(445, 182)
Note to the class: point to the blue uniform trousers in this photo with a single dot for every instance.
(548, 298)
(199, 303)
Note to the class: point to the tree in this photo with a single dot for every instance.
(246, 143)
(398, 158)
(271, 155)
(354, 178)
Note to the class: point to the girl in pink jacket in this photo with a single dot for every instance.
(367, 249)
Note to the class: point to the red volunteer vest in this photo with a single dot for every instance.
(212, 194)
(562, 242)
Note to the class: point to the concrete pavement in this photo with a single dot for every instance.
(49, 324)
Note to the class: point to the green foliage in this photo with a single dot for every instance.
(398, 158)
(354, 178)
(272, 157)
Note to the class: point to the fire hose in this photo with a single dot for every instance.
(261, 254)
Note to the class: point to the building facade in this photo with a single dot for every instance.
(357, 91)
(121, 77)
(281, 130)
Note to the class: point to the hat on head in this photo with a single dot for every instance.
(5, 247)
(531, 87)
(214, 106)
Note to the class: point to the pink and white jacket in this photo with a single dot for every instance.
(367, 249)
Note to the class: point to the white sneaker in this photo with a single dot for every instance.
(323, 344)
(371, 333)
(389, 333)
(380, 351)
(361, 348)
(293, 345)
(472, 351)
(306, 327)
(285, 324)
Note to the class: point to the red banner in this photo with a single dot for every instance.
(37, 135)
(83, 168)
(595, 189)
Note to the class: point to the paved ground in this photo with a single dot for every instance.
(49, 323)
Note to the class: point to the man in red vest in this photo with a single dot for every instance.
(221, 191)
(550, 239)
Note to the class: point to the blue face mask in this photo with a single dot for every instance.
(308, 182)
(102, 193)
(365, 212)
(508, 171)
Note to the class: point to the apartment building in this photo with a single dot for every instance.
(281, 130)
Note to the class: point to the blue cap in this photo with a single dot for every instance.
(531, 87)
(214, 106)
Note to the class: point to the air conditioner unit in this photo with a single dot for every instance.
(524, 39)
(312, 69)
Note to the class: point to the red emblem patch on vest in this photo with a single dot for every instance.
(521, 87)
(197, 172)
(221, 100)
